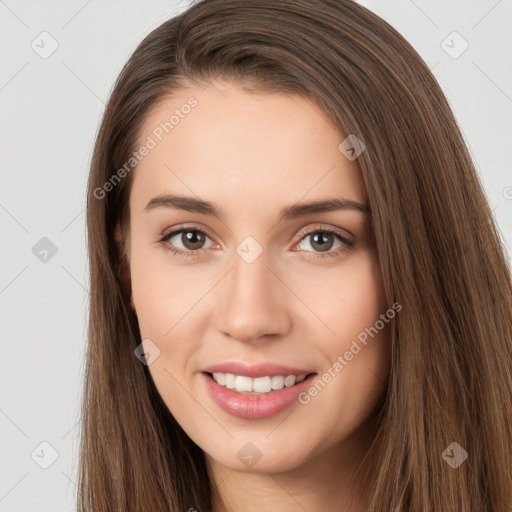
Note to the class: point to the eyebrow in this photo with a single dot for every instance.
(191, 204)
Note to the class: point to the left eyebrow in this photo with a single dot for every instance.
(327, 205)
(192, 204)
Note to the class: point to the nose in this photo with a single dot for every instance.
(254, 301)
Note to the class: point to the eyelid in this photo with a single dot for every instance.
(344, 237)
(301, 234)
(183, 227)
(343, 233)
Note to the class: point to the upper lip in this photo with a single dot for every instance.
(256, 370)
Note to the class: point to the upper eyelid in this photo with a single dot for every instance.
(178, 229)
(331, 229)
(340, 232)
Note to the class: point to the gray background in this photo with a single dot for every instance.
(49, 114)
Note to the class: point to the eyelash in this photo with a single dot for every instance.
(191, 254)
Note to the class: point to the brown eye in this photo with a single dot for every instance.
(192, 239)
(324, 243)
(322, 240)
(189, 242)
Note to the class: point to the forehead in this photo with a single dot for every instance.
(250, 149)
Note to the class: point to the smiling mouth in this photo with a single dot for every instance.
(259, 385)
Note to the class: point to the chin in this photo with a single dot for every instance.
(259, 458)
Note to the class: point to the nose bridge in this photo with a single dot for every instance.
(253, 302)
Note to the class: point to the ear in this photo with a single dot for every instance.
(124, 271)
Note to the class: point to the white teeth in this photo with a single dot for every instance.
(289, 381)
(277, 382)
(230, 380)
(262, 384)
(220, 378)
(243, 383)
(259, 385)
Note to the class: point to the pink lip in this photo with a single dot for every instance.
(255, 406)
(257, 370)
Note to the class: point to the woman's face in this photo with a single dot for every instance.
(264, 287)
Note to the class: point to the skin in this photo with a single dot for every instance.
(253, 154)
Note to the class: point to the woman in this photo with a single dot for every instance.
(299, 299)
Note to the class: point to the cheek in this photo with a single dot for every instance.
(361, 298)
(347, 300)
(163, 292)
(357, 350)
(168, 299)
(164, 298)
(363, 309)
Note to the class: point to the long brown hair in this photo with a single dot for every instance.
(440, 255)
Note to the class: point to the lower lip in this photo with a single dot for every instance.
(254, 407)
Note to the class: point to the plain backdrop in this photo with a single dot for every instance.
(50, 107)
